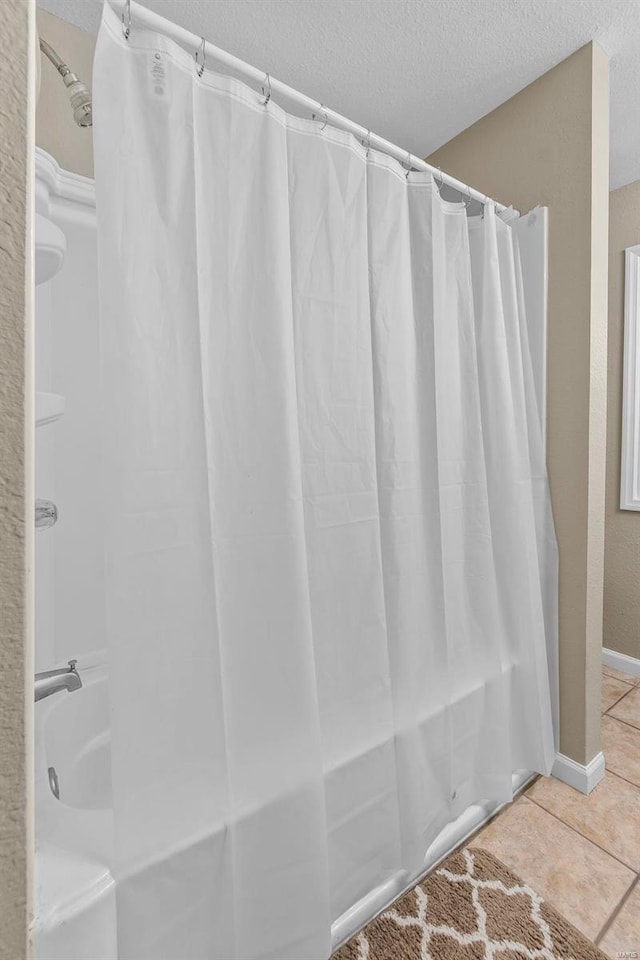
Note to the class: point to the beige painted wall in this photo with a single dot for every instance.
(550, 145)
(17, 82)
(56, 130)
(622, 527)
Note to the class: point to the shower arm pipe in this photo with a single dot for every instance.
(59, 64)
(153, 21)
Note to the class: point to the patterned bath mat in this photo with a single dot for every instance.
(470, 908)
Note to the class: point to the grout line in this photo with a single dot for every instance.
(630, 782)
(610, 769)
(618, 720)
(625, 683)
(615, 704)
(588, 839)
(626, 722)
(609, 923)
(632, 681)
(614, 773)
(523, 792)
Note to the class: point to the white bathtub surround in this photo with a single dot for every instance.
(621, 661)
(49, 407)
(581, 776)
(330, 555)
(75, 890)
(69, 558)
(50, 249)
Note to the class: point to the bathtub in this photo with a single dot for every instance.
(75, 905)
(75, 889)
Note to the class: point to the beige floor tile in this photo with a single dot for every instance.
(621, 748)
(621, 675)
(612, 690)
(622, 939)
(579, 879)
(609, 815)
(628, 709)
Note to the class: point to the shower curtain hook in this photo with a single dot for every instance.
(268, 95)
(408, 165)
(126, 24)
(439, 188)
(314, 116)
(367, 144)
(488, 204)
(203, 53)
(469, 199)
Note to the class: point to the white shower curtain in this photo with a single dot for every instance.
(330, 554)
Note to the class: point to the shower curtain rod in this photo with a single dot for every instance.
(132, 12)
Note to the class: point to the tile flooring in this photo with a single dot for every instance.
(582, 853)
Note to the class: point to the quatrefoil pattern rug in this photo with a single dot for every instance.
(470, 908)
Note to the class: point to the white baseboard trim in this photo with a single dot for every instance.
(621, 661)
(582, 777)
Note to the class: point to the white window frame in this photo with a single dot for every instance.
(630, 472)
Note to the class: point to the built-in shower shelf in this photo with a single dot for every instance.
(49, 407)
(51, 246)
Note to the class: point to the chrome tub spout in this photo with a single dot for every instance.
(53, 680)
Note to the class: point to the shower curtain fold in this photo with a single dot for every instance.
(330, 554)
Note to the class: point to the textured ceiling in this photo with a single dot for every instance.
(417, 71)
